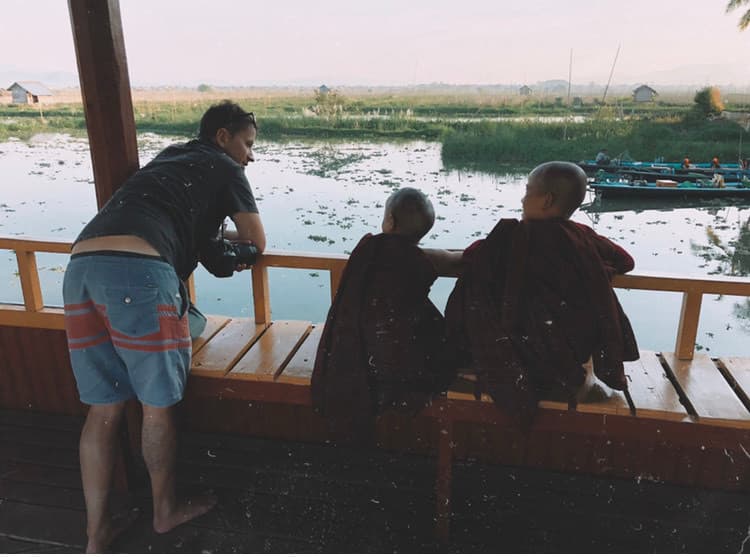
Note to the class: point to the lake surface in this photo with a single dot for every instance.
(322, 197)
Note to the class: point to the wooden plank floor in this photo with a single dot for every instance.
(707, 391)
(300, 498)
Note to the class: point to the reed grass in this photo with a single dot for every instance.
(469, 139)
(495, 143)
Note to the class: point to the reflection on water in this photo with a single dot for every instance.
(618, 204)
(322, 197)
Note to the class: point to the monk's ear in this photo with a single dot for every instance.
(389, 223)
(549, 200)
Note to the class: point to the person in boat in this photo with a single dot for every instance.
(534, 300)
(685, 163)
(715, 163)
(602, 158)
(383, 345)
(126, 305)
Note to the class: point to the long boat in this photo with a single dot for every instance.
(684, 175)
(661, 168)
(684, 190)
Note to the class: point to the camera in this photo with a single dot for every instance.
(220, 257)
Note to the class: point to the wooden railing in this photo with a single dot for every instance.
(33, 312)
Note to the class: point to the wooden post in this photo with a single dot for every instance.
(27, 270)
(108, 107)
(261, 299)
(688, 327)
(105, 88)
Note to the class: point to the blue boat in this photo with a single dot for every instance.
(683, 190)
(664, 169)
(627, 175)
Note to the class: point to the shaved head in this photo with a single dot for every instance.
(565, 181)
(411, 212)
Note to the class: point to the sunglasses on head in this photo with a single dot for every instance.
(239, 118)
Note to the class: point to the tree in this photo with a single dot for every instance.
(328, 103)
(708, 101)
(745, 19)
(205, 88)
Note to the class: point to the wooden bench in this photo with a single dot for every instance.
(692, 424)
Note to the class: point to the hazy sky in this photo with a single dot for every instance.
(397, 42)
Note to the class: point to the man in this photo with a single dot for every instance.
(602, 158)
(126, 304)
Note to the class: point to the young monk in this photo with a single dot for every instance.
(534, 301)
(383, 345)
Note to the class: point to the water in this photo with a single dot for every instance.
(322, 197)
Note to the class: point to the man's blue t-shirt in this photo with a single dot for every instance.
(177, 202)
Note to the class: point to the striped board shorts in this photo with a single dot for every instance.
(127, 327)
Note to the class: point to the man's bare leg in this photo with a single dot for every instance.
(159, 445)
(97, 447)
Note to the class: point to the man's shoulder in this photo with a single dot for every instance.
(198, 150)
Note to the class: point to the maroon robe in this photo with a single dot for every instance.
(383, 345)
(534, 303)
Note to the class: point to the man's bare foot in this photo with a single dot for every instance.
(115, 525)
(184, 511)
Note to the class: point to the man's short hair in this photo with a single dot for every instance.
(412, 213)
(228, 115)
(566, 182)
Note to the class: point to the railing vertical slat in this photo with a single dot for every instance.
(191, 288)
(337, 271)
(688, 327)
(261, 300)
(27, 270)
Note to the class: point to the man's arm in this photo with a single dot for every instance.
(249, 229)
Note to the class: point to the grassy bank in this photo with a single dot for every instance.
(489, 143)
(276, 121)
(466, 143)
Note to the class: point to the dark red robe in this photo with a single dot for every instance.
(533, 303)
(383, 345)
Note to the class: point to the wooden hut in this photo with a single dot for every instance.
(644, 93)
(28, 92)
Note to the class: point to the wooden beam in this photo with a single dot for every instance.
(191, 288)
(261, 294)
(13, 315)
(34, 244)
(32, 290)
(688, 328)
(105, 88)
(730, 286)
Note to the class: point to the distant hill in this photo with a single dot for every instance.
(551, 86)
(53, 79)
